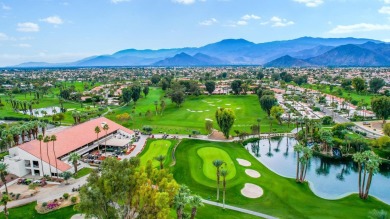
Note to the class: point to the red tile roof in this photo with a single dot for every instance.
(71, 139)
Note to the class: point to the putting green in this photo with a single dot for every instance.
(156, 148)
(208, 155)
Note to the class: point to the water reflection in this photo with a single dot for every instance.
(329, 178)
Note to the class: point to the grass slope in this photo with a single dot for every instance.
(154, 148)
(184, 120)
(282, 197)
(28, 211)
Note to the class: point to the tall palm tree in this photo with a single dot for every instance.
(156, 105)
(97, 131)
(105, 128)
(74, 158)
(160, 159)
(43, 127)
(218, 164)
(53, 138)
(3, 174)
(40, 138)
(224, 173)
(258, 124)
(181, 200)
(3, 201)
(195, 203)
(47, 140)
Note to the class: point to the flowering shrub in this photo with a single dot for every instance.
(52, 205)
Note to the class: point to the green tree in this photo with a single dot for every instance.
(181, 200)
(224, 173)
(66, 175)
(376, 84)
(4, 201)
(277, 112)
(225, 119)
(155, 79)
(195, 202)
(177, 95)
(378, 214)
(3, 174)
(74, 158)
(97, 131)
(302, 161)
(126, 95)
(359, 84)
(218, 164)
(135, 92)
(210, 86)
(160, 159)
(145, 91)
(368, 163)
(209, 126)
(236, 86)
(381, 107)
(267, 102)
(326, 137)
(386, 129)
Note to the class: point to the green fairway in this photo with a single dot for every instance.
(194, 112)
(155, 148)
(283, 197)
(208, 155)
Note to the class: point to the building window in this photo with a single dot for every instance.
(35, 164)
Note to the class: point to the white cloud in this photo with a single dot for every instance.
(24, 45)
(184, 2)
(384, 10)
(5, 7)
(119, 1)
(386, 1)
(209, 22)
(3, 37)
(278, 22)
(250, 17)
(28, 27)
(53, 20)
(311, 3)
(242, 23)
(362, 27)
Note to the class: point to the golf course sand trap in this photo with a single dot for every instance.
(252, 191)
(252, 173)
(243, 162)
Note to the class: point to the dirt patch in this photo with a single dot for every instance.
(217, 135)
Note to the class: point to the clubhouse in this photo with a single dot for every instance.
(25, 159)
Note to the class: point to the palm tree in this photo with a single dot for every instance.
(3, 174)
(156, 105)
(40, 138)
(53, 138)
(195, 202)
(97, 131)
(181, 199)
(224, 173)
(47, 140)
(74, 158)
(160, 159)
(3, 201)
(258, 124)
(43, 127)
(105, 128)
(218, 164)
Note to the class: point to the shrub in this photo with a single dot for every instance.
(44, 204)
(52, 205)
(17, 196)
(73, 199)
(65, 195)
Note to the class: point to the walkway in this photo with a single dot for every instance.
(242, 210)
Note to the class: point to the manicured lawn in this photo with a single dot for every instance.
(194, 112)
(28, 211)
(208, 155)
(209, 211)
(83, 172)
(155, 148)
(282, 197)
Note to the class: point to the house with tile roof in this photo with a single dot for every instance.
(25, 159)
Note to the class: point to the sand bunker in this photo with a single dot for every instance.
(252, 191)
(243, 162)
(252, 173)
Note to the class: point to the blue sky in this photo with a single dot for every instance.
(67, 30)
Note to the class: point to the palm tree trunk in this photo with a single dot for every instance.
(224, 191)
(75, 166)
(47, 152)
(360, 179)
(217, 184)
(304, 175)
(364, 183)
(296, 178)
(5, 183)
(54, 151)
(5, 210)
(302, 170)
(40, 153)
(179, 213)
(193, 212)
(369, 180)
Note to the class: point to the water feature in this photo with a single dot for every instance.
(41, 112)
(329, 178)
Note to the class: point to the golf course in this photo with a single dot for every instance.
(194, 112)
(282, 197)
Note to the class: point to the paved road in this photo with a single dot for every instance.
(242, 210)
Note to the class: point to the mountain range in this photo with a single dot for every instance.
(300, 52)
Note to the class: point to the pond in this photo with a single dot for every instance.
(328, 178)
(41, 112)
